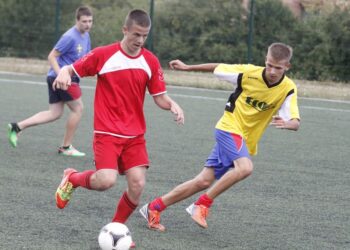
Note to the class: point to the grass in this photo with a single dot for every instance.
(297, 197)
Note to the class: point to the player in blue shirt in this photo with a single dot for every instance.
(73, 44)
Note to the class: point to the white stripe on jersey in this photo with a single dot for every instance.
(75, 71)
(284, 111)
(121, 62)
(227, 76)
(113, 134)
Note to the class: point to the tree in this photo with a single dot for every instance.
(273, 23)
(337, 31)
(109, 18)
(198, 30)
(194, 31)
(25, 27)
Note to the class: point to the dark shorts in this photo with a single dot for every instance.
(112, 152)
(228, 147)
(59, 95)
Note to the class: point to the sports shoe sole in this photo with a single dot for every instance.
(71, 155)
(77, 156)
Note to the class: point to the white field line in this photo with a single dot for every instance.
(203, 97)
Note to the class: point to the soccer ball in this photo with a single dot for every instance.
(115, 236)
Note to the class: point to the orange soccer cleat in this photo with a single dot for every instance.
(153, 218)
(199, 214)
(65, 189)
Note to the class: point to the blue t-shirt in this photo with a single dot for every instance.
(72, 45)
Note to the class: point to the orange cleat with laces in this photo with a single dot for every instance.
(152, 217)
(65, 189)
(199, 214)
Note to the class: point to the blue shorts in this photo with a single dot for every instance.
(228, 147)
(59, 95)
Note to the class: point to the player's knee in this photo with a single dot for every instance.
(107, 184)
(76, 107)
(104, 185)
(103, 181)
(136, 186)
(246, 169)
(202, 183)
(79, 109)
(55, 115)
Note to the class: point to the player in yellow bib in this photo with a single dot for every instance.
(249, 109)
(263, 96)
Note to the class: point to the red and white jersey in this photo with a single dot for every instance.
(121, 87)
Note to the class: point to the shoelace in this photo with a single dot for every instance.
(155, 218)
(66, 191)
(204, 211)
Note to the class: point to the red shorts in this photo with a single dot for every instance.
(119, 153)
(72, 93)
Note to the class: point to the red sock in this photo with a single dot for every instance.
(157, 204)
(204, 200)
(81, 179)
(124, 209)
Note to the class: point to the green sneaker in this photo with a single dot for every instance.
(70, 151)
(12, 134)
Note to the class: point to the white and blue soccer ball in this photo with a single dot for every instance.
(115, 236)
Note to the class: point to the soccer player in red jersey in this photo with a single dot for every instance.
(124, 71)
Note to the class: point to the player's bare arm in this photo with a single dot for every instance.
(165, 102)
(179, 65)
(63, 79)
(52, 58)
(278, 122)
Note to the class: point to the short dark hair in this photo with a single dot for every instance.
(140, 17)
(83, 11)
(280, 51)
